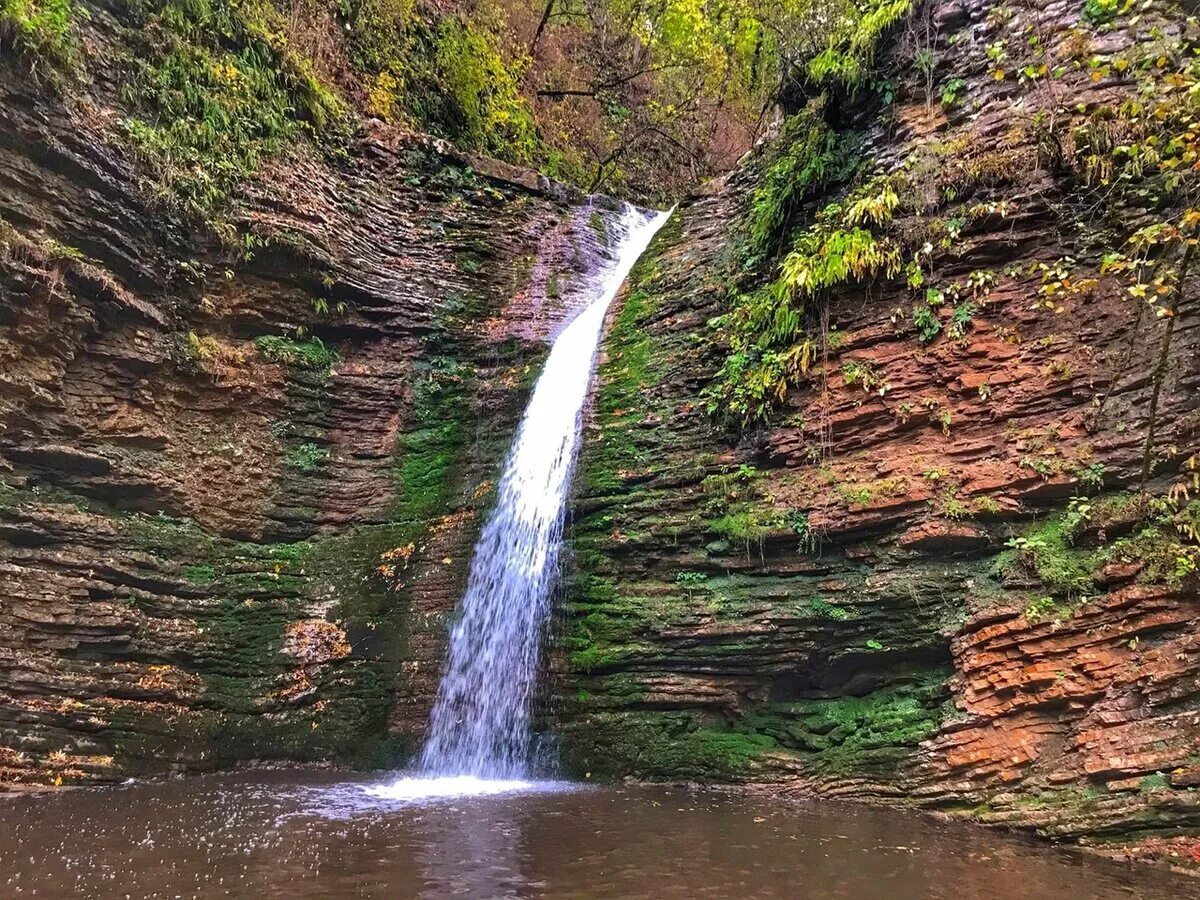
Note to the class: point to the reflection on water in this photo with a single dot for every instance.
(310, 836)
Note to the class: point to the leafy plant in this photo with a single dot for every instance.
(927, 323)
(865, 375)
(952, 91)
(306, 457)
(310, 354)
(44, 29)
(1041, 608)
(1101, 12)
(960, 319)
(217, 90)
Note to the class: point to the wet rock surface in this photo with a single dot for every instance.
(240, 479)
(944, 586)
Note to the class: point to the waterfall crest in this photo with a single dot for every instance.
(480, 724)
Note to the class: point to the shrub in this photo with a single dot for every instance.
(217, 90)
(42, 28)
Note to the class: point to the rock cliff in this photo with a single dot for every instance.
(240, 477)
(945, 552)
(956, 566)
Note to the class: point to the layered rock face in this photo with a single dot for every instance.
(939, 574)
(239, 488)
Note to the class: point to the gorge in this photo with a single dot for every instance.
(888, 480)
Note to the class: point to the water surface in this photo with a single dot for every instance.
(320, 835)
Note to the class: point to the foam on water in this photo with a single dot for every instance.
(417, 789)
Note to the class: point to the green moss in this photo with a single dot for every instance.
(1152, 783)
(310, 354)
(172, 538)
(823, 609)
(427, 453)
(596, 222)
(623, 377)
(749, 524)
(1046, 550)
(9, 496)
(660, 745)
(862, 734)
(200, 574)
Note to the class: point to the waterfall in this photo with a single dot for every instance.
(480, 721)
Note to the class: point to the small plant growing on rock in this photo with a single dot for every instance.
(952, 91)
(310, 354)
(307, 458)
(960, 319)
(866, 375)
(690, 581)
(1041, 608)
(1100, 12)
(823, 609)
(926, 321)
(803, 529)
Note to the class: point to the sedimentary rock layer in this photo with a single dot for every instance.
(937, 573)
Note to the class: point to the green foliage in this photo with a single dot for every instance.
(1041, 608)
(309, 354)
(823, 609)
(44, 29)
(1101, 12)
(926, 321)
(217, 89)
(487, 109)
(961, 318)
(851, 49)
(952, 91)
(690, 579)
(749, 524)
(306, 457)
(1047, 552)
(449, 76)
(865, 375)
(767, 329)
(809, 539)
(805, 157)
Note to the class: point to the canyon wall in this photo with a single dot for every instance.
(240, 478)
(953, 562)
(951, 569)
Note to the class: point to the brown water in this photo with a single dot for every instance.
(313, 835)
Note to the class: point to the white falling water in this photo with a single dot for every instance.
(479, 736)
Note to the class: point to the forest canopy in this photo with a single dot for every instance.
(641, 99)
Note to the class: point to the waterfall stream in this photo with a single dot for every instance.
(479, 735)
